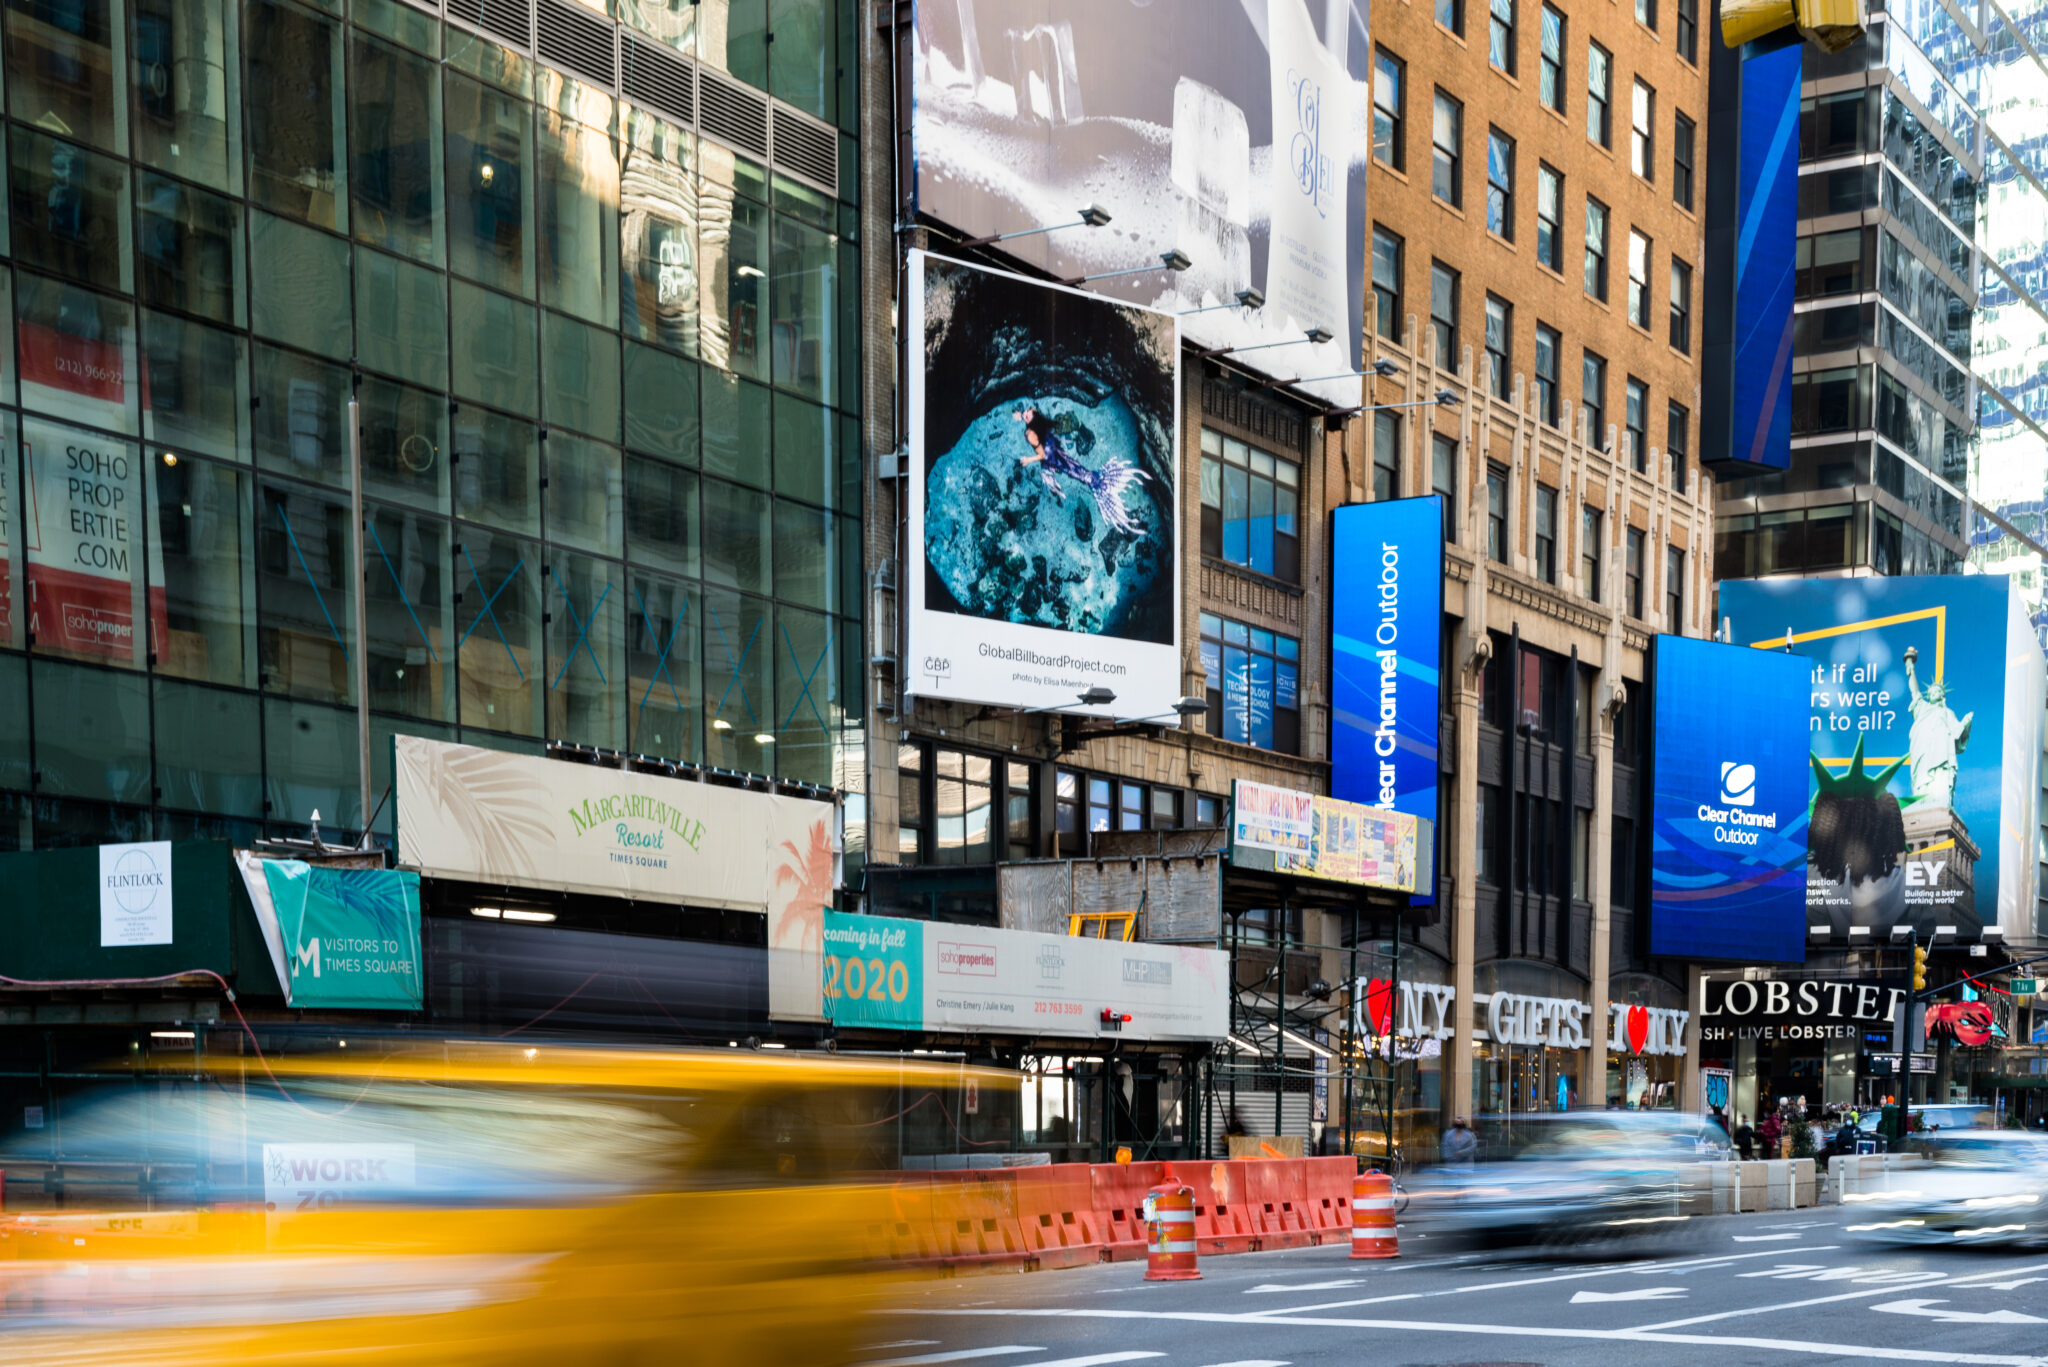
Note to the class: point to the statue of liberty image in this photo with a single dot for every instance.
(1935, 741)
(1107, 485)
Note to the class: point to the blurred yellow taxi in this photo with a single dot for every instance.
(481, 1204)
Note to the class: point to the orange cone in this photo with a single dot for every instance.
(1170, 1234)
(1372, 1217)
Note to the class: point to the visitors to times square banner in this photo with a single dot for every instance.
(1236, 131)
(1927, 696)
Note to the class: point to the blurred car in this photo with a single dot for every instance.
(1592, 1182)
(1981, 1187)
(1949, 1116)
(475, 1205)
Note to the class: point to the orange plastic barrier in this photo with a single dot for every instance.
(1328, 1186)
(1279, 1200)
(1170, 1235)
(1223, 1215)
(1118, 1191)
(1056, 1214)
(974, 1217)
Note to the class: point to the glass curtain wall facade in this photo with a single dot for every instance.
(607, 370)
(1921, 338)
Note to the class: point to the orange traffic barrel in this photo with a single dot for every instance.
(1170, 1234)
(1372, 1217)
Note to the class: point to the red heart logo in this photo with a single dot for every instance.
(1379, 1006)
(1638, 1028)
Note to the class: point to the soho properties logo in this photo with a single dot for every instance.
(978, 961)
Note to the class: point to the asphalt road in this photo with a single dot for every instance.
(1792, 1287)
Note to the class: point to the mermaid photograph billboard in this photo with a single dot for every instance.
(1044, 546)
(1927, 696)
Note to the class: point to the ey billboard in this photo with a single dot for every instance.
(1927, 695)
(1728, 813)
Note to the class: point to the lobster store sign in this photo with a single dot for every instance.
(1798, 1009)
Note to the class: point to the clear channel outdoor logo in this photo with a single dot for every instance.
(1738, 783)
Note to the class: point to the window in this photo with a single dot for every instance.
(1500, 34)
(1550, 81)
(1389, 108)
(1018, 811)
(1500, 183)
(1582, 845)
(1589, 553)
(1599, 116)
(1638, 279)
(1166, 809)
(1593, 398)
(1443, 481)
(1642, 140)
(1386, 456)
(1497, 513)
(1443, 314)
(1674, 589)
(1677, 443)
(1100, 791)
(1596, 248)
(1386, 283)
(1251, 506)
(1253, 685)
(1130, 807)
(1681, 161)
(1632, 571)
(1451, 14)
(1447, 136)
(1485, 812)
(1546, 533)
(1549, 217)
(1499, 316)
(1636, 418)
(1689, 30)
(1067, 805)
(1547, 347)
(1681, 305)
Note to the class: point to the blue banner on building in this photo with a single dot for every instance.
(1728, 815)
(1767, 215)
(1386, 638)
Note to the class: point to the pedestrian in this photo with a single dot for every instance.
(1745, 1138)
(1767, 1132)
(1461, 1144)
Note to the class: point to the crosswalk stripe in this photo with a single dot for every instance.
(1097, 1359)
(1251, 1362)
(960, 1355)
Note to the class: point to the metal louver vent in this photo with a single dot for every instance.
(807, 150)
(573, 37)
(730, 113)
(655, 78)
(511, 20)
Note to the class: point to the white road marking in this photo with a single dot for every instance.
(899, 1343)
(1936, 1279)
(1252, 1362)
(1652, 1268)
(1762, 1238)
(1871, 1352)
(2011, 1286)
(1097, 1358)
(962, 1355)
(1927, 1308)
(1304, 1286)
(1647, 1293)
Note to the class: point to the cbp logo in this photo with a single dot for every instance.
(1738, 784)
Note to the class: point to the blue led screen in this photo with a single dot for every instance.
(1728, 818)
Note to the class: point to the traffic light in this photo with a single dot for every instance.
(1919, 968)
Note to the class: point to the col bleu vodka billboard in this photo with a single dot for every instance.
(1728, 813)
(1386, 635)
(1927, 696)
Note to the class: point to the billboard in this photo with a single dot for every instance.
(1386, 638)
(1044, 487)
(1927, 696)
(1236, 131)
(1310, 836)
(1753, 156)
(882, 972)
(1728, 803)
(520, 821)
